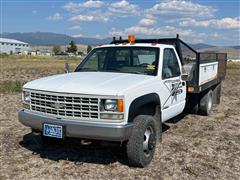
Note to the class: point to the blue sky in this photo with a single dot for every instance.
(206, 21)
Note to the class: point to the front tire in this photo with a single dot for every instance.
(142, 143)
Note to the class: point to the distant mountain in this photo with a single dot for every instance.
(39, 38)
(232, 53)
(92, 41)
(47, 38)
(200, 46)
(235, 47)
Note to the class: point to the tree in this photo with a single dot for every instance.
(56, 49)
(89, 48)
(72, 47)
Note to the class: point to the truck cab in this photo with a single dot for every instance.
(123, 92)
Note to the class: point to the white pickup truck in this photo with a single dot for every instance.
(123, 92)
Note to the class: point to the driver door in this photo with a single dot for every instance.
(174, 88)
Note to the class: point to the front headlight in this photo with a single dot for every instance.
(115, 105)
(110, 105)
(112, 109)
(26, 97)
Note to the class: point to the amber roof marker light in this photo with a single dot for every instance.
(131, 39)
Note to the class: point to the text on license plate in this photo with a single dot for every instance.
(53, 130)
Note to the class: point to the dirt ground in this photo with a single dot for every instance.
(193, 147)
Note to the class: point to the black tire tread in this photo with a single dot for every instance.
(134, 145)
(203, 104)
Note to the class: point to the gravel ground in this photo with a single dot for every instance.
(193, 147)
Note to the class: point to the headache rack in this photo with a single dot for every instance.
(206, 68)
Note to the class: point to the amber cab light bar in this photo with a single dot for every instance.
(131, 39)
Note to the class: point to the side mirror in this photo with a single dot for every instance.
(67, 68)
(185, 77)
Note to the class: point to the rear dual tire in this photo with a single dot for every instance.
(206, 103)
(201, 103)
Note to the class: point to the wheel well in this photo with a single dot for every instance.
(145, 105)
(148, 109)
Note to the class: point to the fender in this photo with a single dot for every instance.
(138, 105)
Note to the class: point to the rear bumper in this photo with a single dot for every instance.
(78, 129)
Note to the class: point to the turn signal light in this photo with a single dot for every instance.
(120, 105)
(131, 39)
(190, 89)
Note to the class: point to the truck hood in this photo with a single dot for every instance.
(97, 83)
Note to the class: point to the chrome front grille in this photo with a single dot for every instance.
(65, 105)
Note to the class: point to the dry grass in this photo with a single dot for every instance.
(25, 68)
(10, 87)
(194, 147)
(16, 70)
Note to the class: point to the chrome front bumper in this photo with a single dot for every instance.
(73, 128)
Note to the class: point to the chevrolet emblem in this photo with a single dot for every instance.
(57, 105)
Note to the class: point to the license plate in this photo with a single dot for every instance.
(52, 130)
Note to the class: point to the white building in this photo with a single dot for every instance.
(9, 46)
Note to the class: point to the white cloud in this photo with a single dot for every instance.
(225, 23)
(147, 22)
(99, 11)
(115, 32)
(165, 31)
(88, 4)
(123, 8)
(98, 36)
(160, 31)
(215, 35)
(55, 17)
(177, 9)
(88, 18)
(71, 6)
(73, 28)
(77, 35)
(99, 8)
(177, 16)
(146, 31)
(93, 4)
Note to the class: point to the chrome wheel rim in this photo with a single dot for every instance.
(149, 141)
(210, 103)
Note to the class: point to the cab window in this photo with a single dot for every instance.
(96, 61)
(170, 64)
(135, 60)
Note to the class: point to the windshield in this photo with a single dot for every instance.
(136, 60)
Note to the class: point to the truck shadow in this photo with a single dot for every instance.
(174, 120)
(72, 150)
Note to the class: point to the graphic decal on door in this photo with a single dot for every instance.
(174, 88)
